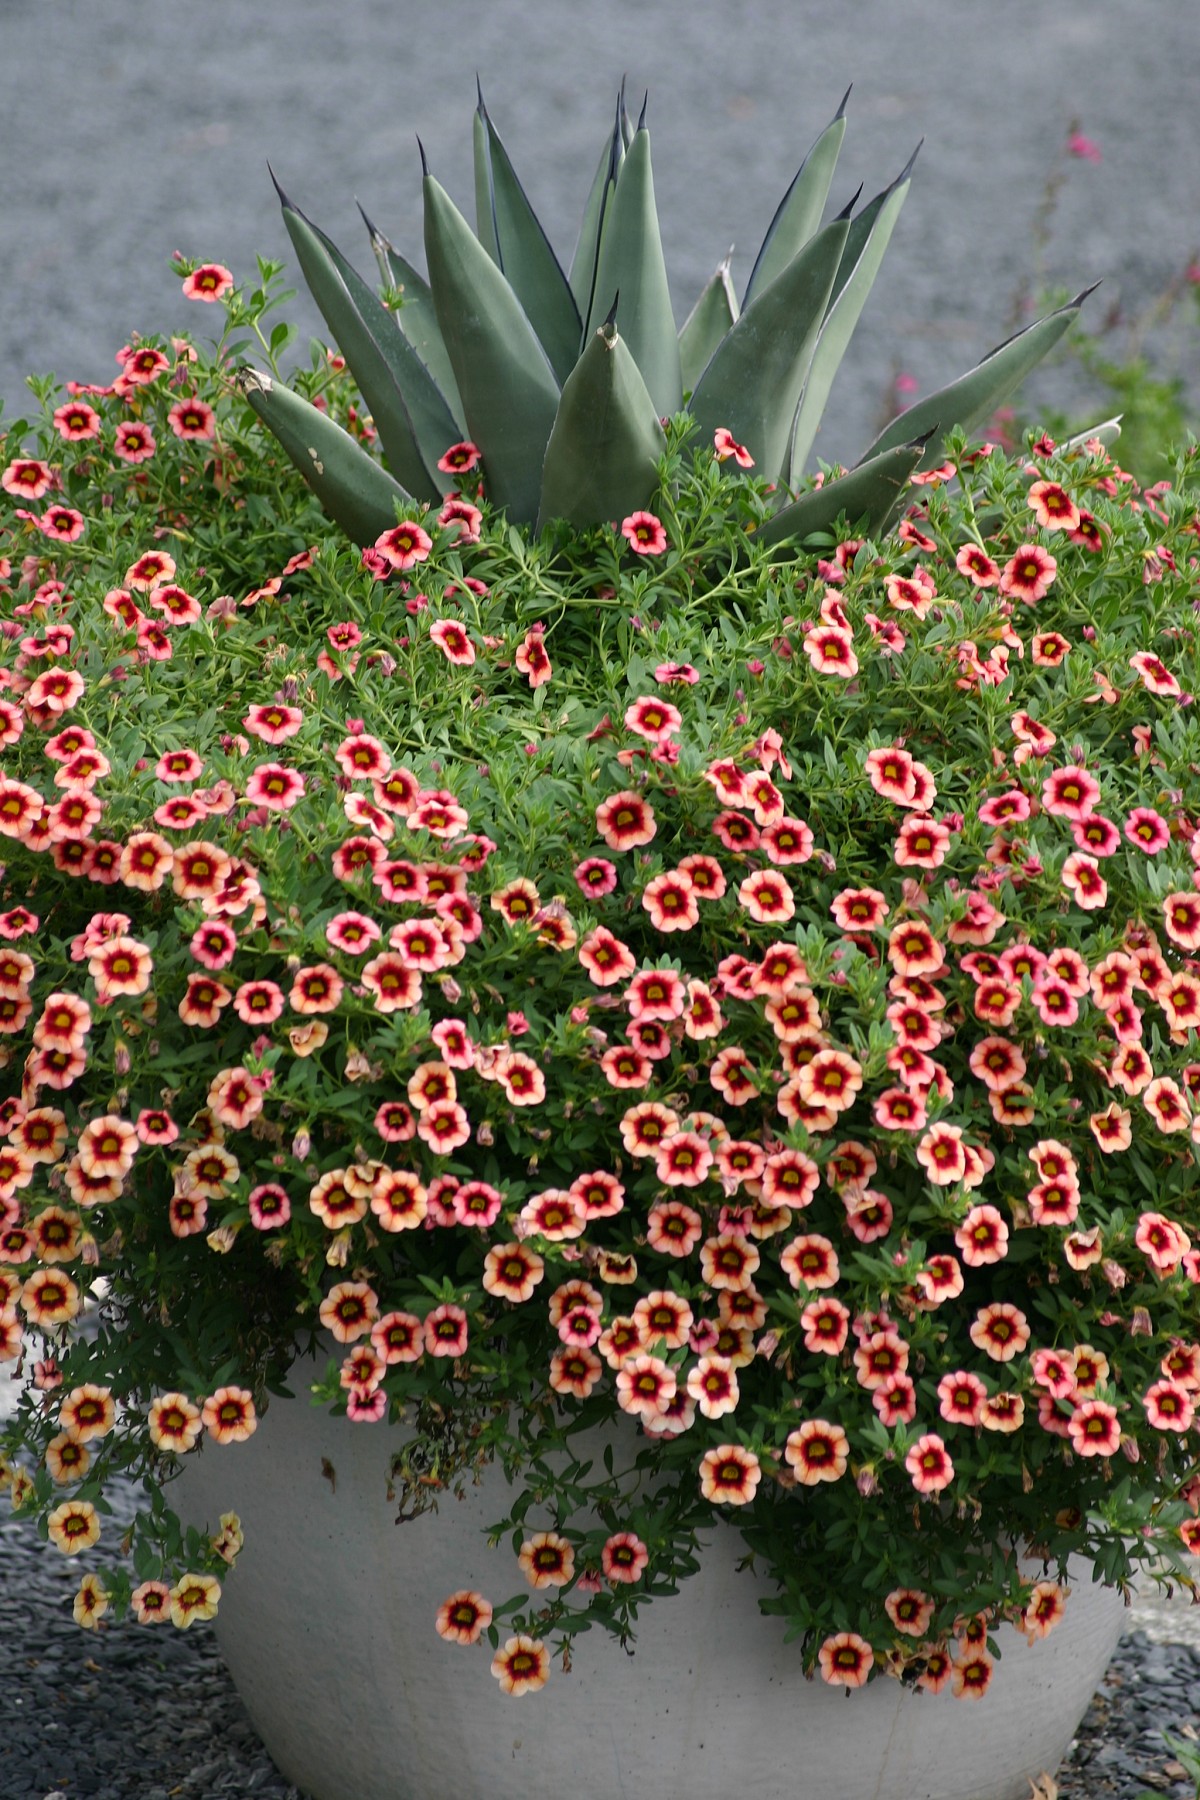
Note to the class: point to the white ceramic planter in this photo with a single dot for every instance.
(327, 1627)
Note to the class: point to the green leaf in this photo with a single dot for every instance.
(971, 400)
(509, 391)
(415, 424)
(522, 249)
(798, 214)
(356, 493)
(417, 317)
(865, 246)
(603, 454)
(714, 314)
(604, 182)
(868, 496)
(753, 383)
(631, 267)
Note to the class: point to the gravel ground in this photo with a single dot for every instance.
(127, 131)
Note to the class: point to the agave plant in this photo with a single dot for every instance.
(562, 379)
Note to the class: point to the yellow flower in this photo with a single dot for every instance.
(90, 1602)
(194, 1597)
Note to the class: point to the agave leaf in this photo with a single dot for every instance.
(623, 119)
(603, 454)
(355, 491)
(417, 317)
(522, 249)
(587, 250)
(753, 382)
(868, 495)
(799, 212)
(509, 391)
(714, 314)
(630, 263)
(974, 397)
(865, 246)
(414, 422)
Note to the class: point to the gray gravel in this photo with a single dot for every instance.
(129, 130)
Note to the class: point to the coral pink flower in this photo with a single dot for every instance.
(1054, 507)
(1029, 574)
(623, 1558)
(26, 478)
(729, 1475)
(830, 650)
(76, 421)
(459, 459)
(521, 1665)
(817, 1451)
(1081, 875)
(274, 786)
(134, 442)
(1094, 1429)
(193, 420)
(961, 1396)
(929, 1464)
(462, 1618)
(653, 719)
(1000, 1330)
(845, 1660)
(767, 897)
(1155, 674)
(446, 1331)
(273, 724)
(625, 821)
(644, 534)
(671, 902)
(977, 566)
(531, 659)
(453, 641)
(921, 843)
(982, 1237)
(229, 1416)
(725, 445)
(940, 1153)
(208, 282)
(1147, 830)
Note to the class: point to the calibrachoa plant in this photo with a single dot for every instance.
(622, 979)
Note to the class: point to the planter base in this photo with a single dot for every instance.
(327, 1628)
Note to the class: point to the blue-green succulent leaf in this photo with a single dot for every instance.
(631, 264)
(714, 314)
(869, 235)
(798, 214)
(753, 383)
(602, 458)
(509, 391)
(971, 400)
(416, 316)
(414, 422)
(355, 491)
(869, 496)
(518, 244)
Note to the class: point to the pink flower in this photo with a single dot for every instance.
(1054, 507)
(977, 566)
(1094, 1429)
(452, 640)
(1147, 830)
(1029, 574)
(929, 1464)
(725, 445)
(459, 459)
(208, 282)
(274, 786)
(1084, 147)
(830, 650)
(192, 419)
(644, 534)
(845, 1660)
